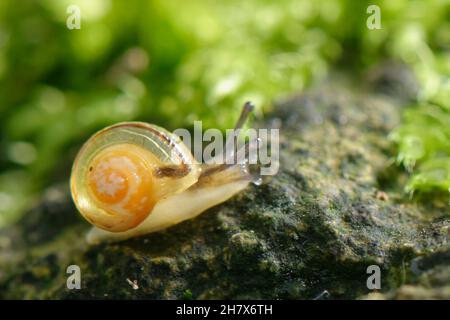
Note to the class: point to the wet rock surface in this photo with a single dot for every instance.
(335, 207)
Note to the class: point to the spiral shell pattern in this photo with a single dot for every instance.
(120, 181)
(122, 172)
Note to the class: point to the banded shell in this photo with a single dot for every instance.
(124, 170)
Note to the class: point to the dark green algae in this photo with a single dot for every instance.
(335, 207)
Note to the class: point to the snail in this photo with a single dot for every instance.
(135, 178)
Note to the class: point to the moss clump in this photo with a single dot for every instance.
(424, 147)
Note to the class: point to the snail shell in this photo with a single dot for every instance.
(124, 170)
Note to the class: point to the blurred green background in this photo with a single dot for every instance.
(173, 62)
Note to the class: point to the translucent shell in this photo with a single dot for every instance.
(123, 171)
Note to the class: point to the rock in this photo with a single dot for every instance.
(315, 227)
(429, 278)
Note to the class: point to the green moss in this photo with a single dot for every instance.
(424, 147)
(187, 295)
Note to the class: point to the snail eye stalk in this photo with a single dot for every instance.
(231, 143)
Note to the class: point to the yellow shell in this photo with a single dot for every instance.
(123, 171)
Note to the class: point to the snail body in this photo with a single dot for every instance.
(135, 178)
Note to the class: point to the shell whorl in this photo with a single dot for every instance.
(124, 170)
(120, 180)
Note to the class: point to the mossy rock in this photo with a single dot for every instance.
(335, 207)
